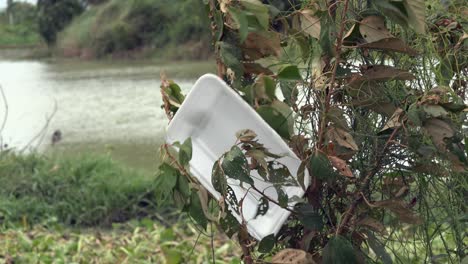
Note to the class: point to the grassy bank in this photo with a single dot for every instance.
(18, 36)
(138, 28)
(90, 209)
(86, 190)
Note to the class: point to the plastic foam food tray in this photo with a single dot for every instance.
(211, 115)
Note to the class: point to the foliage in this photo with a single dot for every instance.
(24, 29)
(55, 15)
(79, 191)
(17, 35)
(142, 241)
(118, 26)
(377, 108)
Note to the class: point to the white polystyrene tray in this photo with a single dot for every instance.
(211, 115)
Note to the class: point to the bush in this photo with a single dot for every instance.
(88, 190)
(119, 26)
(54, 15)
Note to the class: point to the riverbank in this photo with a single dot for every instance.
(137, 29)
(90, 209)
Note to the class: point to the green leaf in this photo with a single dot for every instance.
(320, 167)
(435, 110)
(235, 165)
(174, 94)
(185, 152)
(289, 91)
(242, 23)
(378, 248)
(267, 244)
(326, 40)
(289, 73)
(218, 179)
(183, 186)
(309, 217)
(282, 197)
(395, 10)
(196, 210)
(166, 181)
(416, 14)
(414, 114)
(263, 207)
(279, 116)
(229, 224)
(301, 175)
(257, 9)
(339, 251)
(265, 88)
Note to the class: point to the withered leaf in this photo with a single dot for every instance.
(246, 135)
(438, 129)
(399, 208)
(256, 68)
(394, 120)
(310, 23)
(373, 29)
(260, 45)
(392, 44)
(341, 166)
(372, 224)
(342, 138)
(292, 256)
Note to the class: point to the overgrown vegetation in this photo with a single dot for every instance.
(117, 27)
(374, 108)
(55, 15)
(92, 210)
(88, 190)
(23, 32)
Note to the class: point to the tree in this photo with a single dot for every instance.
(54, 15)
(10, 13)
(374, 106)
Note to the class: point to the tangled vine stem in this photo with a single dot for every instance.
(348, 215)
(338, 51)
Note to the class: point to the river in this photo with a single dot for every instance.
(99, 107)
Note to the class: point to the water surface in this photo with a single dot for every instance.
(103, 107)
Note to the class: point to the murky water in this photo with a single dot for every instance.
(98, 106)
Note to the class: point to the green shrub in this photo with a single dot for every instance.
(54, 15)
(91, 190)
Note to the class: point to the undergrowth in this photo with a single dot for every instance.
(87, 190)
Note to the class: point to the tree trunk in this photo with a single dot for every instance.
(10, 12)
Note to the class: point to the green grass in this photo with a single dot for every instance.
(88, 190)
(18, 35)
(139, 28)
(90, 209)
(138, 242)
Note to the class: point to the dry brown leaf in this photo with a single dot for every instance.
(439, 130)
(386, 73)
(256, 68)
(341, 166)
(373, 29)
(310, 24)
(394, 120)
(342, 138)
(392, 44)
(261, 45)
(292, 256)
(373, 224)
(402, 192)
(399, 208)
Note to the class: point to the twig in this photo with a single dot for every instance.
(42, 131)
(5, 116)
(350, 212)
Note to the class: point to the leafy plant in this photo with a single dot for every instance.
(374, 109)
